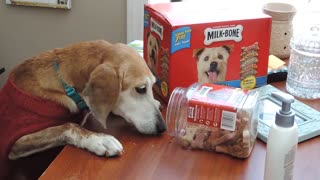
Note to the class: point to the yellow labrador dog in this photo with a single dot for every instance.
(212, 63)
(37, 112)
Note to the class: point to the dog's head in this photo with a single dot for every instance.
(212, 63)
(153, 46)
(122, 84)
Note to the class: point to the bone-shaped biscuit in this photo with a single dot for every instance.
(254, 46)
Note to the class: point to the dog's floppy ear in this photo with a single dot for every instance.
(229, 47)
(197, 53)
(148, 34)
(102, 91)
(158, 42)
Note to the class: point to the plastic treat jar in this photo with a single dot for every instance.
(215, 118)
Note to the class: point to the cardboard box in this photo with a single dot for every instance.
(186, 43)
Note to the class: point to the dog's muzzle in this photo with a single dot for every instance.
(213, 71)
(213, 67)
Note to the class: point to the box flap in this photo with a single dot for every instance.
(183, 13)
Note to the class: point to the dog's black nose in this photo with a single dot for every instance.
(161, 126)
(213, 66)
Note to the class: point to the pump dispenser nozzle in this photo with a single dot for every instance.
(285, 117)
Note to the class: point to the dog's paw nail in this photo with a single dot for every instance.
(107, 154)
(118, 153)
(121, 152)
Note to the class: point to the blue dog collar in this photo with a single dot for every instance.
(70, 91)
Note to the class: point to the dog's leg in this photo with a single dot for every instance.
(73, 134)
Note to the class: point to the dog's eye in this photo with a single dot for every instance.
(220, 56)
(206, 58)
(141, 90)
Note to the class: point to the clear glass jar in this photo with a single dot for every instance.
(215, 118)
(303, 78)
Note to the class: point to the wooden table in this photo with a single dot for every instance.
(160, 157)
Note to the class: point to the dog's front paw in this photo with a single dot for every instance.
(103, 145)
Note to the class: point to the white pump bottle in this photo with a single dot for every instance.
(282, 141)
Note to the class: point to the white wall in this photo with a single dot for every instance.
(26, 31)
(135, 12)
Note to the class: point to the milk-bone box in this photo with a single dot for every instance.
(186, 43)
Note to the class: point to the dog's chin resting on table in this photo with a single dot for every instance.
(37, 114)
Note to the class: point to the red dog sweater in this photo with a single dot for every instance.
(22, 113)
